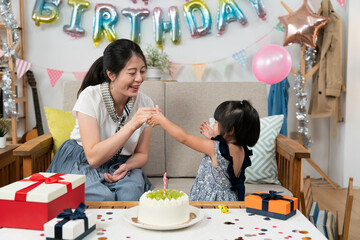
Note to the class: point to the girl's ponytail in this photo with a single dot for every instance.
(94, 76)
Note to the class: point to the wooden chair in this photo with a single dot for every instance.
(306, 196)
(347, 215)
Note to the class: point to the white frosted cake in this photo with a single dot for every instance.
(155, 209)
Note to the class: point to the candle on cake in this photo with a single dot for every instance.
(164, 180)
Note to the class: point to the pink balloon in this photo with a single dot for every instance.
(271, 64)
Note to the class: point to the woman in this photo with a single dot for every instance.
(110, 141)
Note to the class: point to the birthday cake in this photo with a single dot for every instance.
(155, 209)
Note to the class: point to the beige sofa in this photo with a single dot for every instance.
(187, 104)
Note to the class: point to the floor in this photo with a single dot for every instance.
(334, 200)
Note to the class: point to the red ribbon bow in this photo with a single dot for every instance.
(20, 195)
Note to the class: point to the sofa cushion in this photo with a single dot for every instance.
(185, 184)
(60, 130)
(263, 167)
(187, 104)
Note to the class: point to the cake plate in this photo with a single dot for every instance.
(131, 215)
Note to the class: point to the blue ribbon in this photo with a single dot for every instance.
(68, 215)
(273, 195)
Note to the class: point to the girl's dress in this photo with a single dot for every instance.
(96, 102)
(220, 183)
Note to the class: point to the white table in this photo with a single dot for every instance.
(112, 225)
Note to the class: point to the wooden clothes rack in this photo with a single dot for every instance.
(307, 76)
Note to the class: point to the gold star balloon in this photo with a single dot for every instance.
(302, 26)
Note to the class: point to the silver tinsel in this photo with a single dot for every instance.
(301, 110)
(10, 22)
(310, 58)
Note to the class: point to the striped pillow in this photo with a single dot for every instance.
(263, 167)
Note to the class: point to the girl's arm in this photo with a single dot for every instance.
(98, 152)
(137, 160)
(197, 143)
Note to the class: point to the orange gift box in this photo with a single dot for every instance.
(271, 204)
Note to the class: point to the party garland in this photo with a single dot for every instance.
(10, 23)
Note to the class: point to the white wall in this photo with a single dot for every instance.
(48, 46)
(350, 131)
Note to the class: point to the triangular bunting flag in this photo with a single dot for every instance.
(220, 66)
(199, 69)
(174, 69)
(79, 75)
(54, 75)
(264, 41)
(240, 57)
(22, 67)
(279, 27)
(2, 53)
(341, 2)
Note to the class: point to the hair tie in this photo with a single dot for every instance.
(241, 102)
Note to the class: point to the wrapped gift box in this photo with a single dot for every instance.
(33, 201)
(70, 224)
(271, 204)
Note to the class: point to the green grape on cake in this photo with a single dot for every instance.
(170, 194)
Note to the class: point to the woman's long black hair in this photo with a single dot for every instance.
(114, 59)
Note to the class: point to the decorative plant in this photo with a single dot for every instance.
(5, 126)
(156, 58)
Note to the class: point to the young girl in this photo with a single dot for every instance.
(221, 174)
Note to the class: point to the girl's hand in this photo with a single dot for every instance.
(206, 130)
(141, 116)
(118, 174)
(156, 118)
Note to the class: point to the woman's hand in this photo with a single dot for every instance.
(156, 118)
(206, 130)
(141, 116)
(118, 174)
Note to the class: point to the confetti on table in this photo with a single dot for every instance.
(267, 219)
(100, 233)
(42, 234)
(102, 238)
(303, 232)
(306, 238)
(109, 213)
(229, 223)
